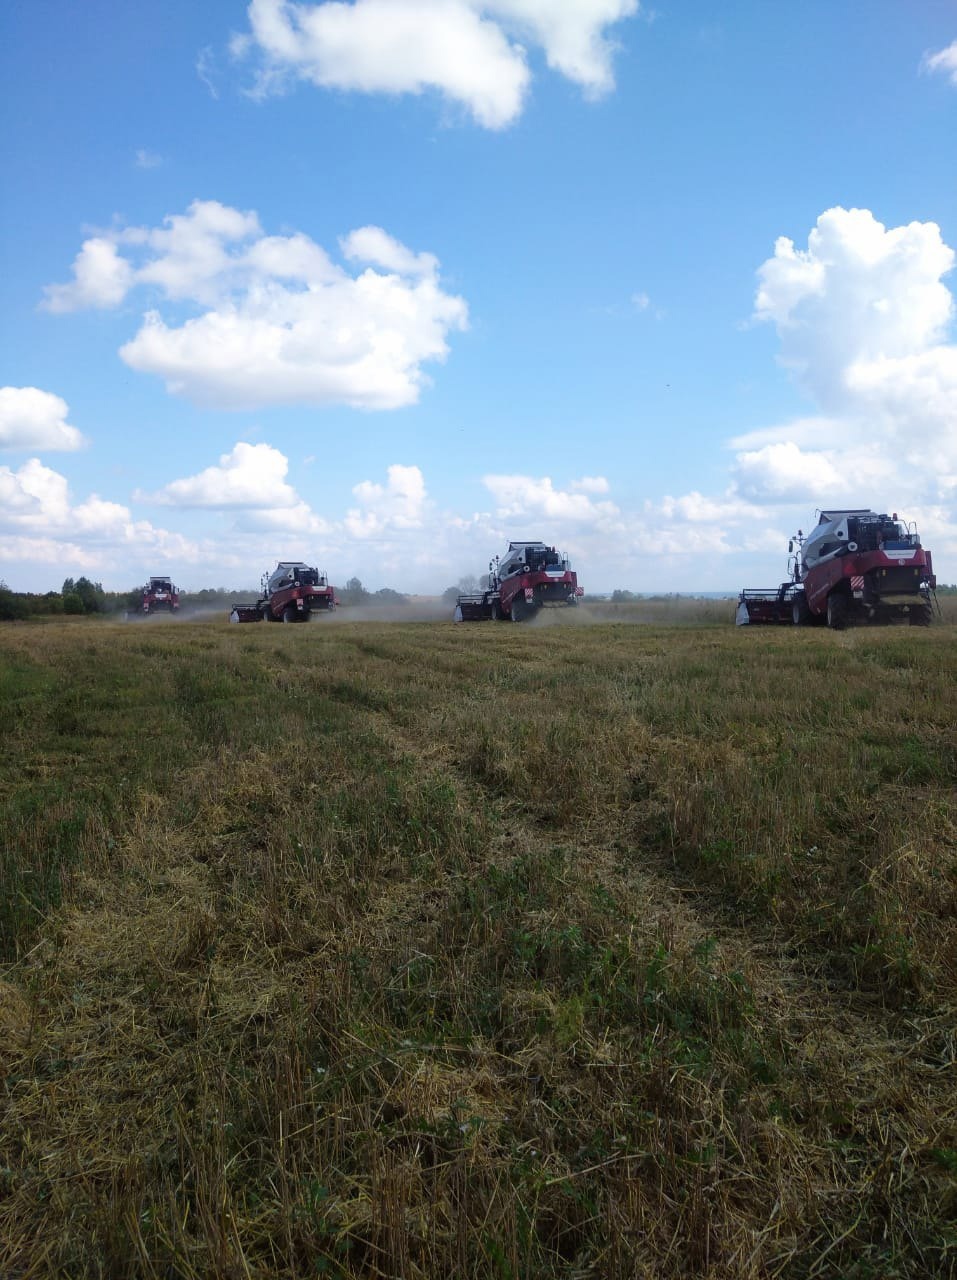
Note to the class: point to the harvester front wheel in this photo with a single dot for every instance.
(920, 616)
(289, 613)
(837, 611)
(519, 610)
(800, 613)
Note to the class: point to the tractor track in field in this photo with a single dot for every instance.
(801, 999)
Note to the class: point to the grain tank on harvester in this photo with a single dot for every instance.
(530, 577)
(293, 592)
(854, 566)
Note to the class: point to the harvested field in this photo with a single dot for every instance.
(414, 950)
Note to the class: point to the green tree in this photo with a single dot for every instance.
(92, 595)
(12, 605)
(353, 593)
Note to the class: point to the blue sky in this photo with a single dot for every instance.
(383, 284)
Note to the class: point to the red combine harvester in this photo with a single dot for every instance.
(293, 592)
(159, 596)
(530, 577)
(853, 566)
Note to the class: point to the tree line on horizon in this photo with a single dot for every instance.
(81, 596)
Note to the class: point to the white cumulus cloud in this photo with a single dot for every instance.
(39, 521)
(520, 497)
(401, 503)
(785, 473)
(35, 419)
(858, 293)
(379, 249)
(473, 52)
(101, 278)
(863, 315)
(697, 509)
(250, 475)
(278, 321)
(945, 61)
(571, 32)
(52, 552)
(33, 496)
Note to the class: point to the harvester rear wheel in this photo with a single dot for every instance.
(837, 611)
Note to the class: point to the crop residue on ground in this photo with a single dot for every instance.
(418, 950)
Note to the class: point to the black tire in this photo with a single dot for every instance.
(519, 609)
(800, 613)
(920, 616)
(496, 611)
(837, 611)
(289, 613)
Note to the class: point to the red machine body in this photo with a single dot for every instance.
(159, 596)
(854, 566)
(531, 576)
(293, 592)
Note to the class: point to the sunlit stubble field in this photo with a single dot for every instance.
(416, 950)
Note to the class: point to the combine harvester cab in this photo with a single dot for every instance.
(158, 596)
(855, 566)
(293, 592)
(531, 576)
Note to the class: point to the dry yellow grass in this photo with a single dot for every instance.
(415, 950)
